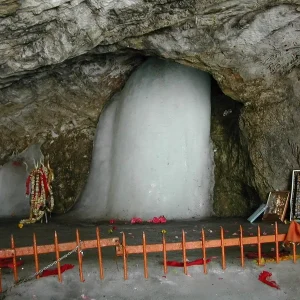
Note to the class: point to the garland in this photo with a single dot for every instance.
(38, 187)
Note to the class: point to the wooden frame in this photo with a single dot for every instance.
(276, 206)
(293, 215)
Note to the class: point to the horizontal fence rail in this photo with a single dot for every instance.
(124, 250)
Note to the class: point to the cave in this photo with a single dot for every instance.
(168, 143)
(64, 64)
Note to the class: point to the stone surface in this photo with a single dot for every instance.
(251, 49)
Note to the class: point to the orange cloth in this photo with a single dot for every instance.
(293, 235)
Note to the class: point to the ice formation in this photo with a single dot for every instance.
(13, 175)
(152, 153)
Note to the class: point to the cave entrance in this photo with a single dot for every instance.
(234, 194)
(168, 144)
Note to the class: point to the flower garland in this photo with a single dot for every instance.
(38, 186)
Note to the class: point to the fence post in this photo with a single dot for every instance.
(145, 256)
(79, 253)
(204, 252)
(242, 245)
(164, 253)
(99, 253)
(184, 253)
(14, 258)
(56, 245)
(36, 258)
(124, 256)
(259, 245)
(223, 249)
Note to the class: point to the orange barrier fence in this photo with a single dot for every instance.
(124, 250)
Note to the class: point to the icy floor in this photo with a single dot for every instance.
(233, 283)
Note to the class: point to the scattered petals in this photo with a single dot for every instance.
(265, 276)
(136, 221)
(235, 233)
(158, 220)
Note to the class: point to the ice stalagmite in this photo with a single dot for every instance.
(152, 153)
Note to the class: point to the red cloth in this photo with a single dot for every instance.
(8, 263)
(293, 235)
(136, 221)
(264, 277)
(51, 272)
(157, 220)
(200, 261)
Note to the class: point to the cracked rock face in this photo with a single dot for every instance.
(60, 61)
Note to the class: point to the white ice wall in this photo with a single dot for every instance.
(152, 148)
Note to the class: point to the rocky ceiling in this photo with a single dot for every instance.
(61, 61)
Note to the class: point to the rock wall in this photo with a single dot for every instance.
(55, 66)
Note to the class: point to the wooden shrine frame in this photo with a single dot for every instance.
(293, 195)
(276, 206)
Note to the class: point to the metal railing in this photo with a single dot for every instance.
(124, 250)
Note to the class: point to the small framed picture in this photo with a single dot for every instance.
(276, 206)
(295, 197)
